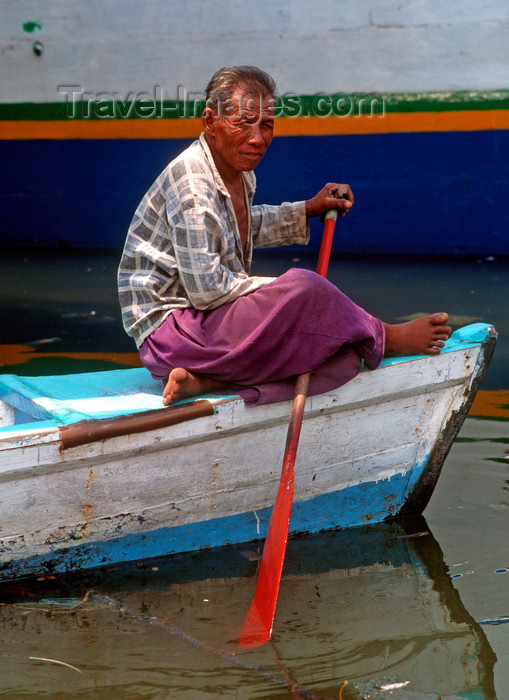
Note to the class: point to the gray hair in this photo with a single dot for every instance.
(225, 81)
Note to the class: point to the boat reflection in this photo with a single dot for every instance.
(372, 606)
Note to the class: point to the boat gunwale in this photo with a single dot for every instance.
(105, 448)
(320, 405)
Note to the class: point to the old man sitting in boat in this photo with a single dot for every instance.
(200, 321)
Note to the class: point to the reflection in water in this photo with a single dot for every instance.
(372, 606)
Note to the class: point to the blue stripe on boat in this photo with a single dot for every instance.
(324, 512)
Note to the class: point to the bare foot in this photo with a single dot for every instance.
(182, 384)
(423, 336)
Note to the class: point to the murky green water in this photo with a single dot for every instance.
(416, 611)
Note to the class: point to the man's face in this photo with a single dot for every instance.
(242, 130)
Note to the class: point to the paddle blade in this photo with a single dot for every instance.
(257, 627)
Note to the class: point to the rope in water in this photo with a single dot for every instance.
(161, 623)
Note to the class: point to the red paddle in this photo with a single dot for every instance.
(257, 627)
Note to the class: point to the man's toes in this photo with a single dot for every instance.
(179, 375)
(439, 319)
(443, 333)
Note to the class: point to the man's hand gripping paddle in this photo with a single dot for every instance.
(257, 627)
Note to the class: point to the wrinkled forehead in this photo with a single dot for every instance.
(249, 102)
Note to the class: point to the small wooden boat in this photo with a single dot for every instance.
(94, 470)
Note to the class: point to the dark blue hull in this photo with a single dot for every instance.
(436, 193)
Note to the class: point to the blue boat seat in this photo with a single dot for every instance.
(74, 397)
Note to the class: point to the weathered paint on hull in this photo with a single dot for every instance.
(359, 504)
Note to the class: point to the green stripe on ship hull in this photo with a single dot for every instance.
(293, 105)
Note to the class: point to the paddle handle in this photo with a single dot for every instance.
(326, 245)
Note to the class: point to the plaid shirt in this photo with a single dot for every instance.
(183, 247)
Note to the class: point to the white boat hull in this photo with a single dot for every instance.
(370, 450)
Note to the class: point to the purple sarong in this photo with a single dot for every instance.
(262, 341)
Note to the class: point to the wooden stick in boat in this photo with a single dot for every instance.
(87, 431)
